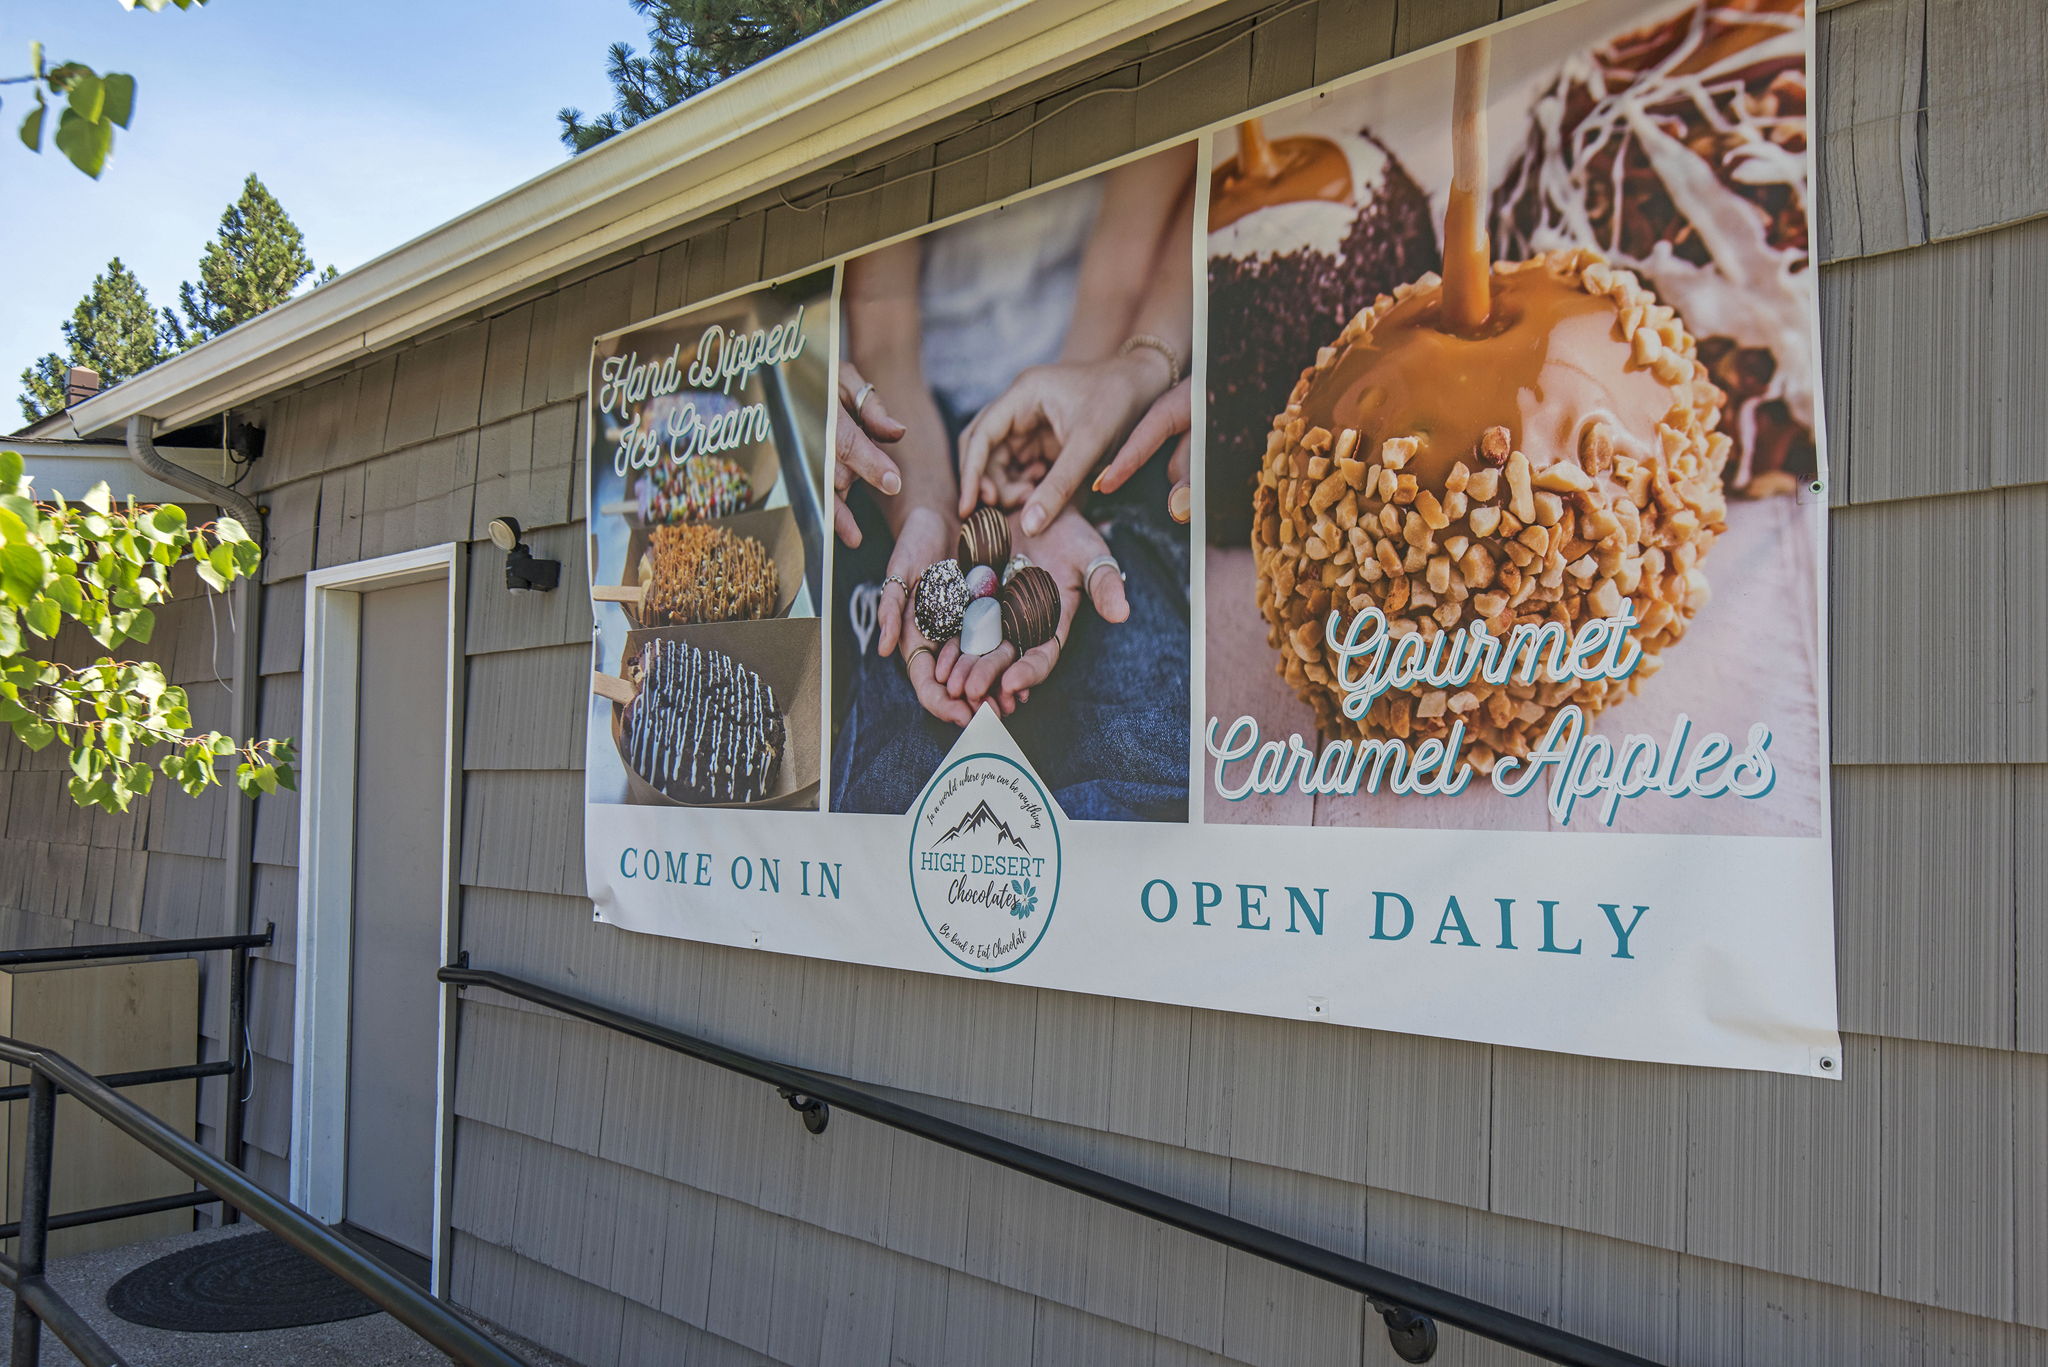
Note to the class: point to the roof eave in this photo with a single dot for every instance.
(812, 105)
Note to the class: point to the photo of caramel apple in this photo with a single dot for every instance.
(1326, 222)
(1557, 463)
(1681, 150)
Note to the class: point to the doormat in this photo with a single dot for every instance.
(235, 1286)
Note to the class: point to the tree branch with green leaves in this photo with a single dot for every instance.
(105, 568)
(90, 106)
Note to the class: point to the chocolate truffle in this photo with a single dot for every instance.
(1557, 465)
(1286, 272)
(1031, 608)
(1681, 147)
(981, 628)
(984, 540)
(942, 597)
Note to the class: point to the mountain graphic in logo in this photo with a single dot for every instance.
(984, 815)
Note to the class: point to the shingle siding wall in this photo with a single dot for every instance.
(623, 1205)
(75, 877)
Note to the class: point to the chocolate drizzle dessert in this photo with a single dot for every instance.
(1515, 442)
(984, 540)
(1680, 151)
(703, 727)
(1031, 608)
(702, 573)
(1303, 233)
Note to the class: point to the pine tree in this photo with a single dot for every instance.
(255, 262)
(113, 331)
(692, 46)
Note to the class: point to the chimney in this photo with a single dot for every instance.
(80, 385)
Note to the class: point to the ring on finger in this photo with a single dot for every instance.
(916, 651)
(897, 580)
(1100, 562)
(860, 400)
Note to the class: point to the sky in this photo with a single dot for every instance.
(370, 120)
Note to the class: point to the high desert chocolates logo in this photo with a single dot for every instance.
(985, 862)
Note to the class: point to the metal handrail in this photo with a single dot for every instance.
(235, 1067)
(1409, 1307)
(36, 1303)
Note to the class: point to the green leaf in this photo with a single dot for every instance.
(211, 577)
(87, 96)
(35, 58)
(228, 529)
(120, 98)
(22, 571)
(11, 467)
(141, 624)
(35, 734)
(32, 126)
(85, 142)
(44, 617)
(169, 519)
(99, 499)
(69, 596)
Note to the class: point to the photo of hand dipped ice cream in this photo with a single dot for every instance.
(1330, 219)
(1679, 151)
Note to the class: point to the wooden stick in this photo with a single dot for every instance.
(613, 687)
(619, 593)
(1467, 265)
(625, 507)
(1255, 154)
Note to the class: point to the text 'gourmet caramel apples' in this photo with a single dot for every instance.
(1556, 462)
(1679, 150)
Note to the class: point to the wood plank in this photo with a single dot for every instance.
(1924, 878)
(523, 830)
(1899, 428)
(462, 379)
(506, 348)
(1946, 1177)
(1352, 35)
(1890, 617)
(1758, 1191)
(1987, 113)
(1869, 73)
(2030, 906)
(1591, 1144)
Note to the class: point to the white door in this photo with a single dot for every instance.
(395, 904)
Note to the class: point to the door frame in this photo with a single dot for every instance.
(322, 978)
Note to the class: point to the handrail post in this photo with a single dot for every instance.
(35, 1215)
(232, 1114)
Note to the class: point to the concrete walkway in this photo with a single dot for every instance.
(372, 1341)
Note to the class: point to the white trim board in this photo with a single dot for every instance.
(326, 875)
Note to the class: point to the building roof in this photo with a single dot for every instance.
(891, 69)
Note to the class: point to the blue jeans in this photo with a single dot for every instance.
(1108, 729)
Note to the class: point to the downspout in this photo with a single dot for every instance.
(245, 605)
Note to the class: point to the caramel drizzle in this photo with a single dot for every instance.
(1265, 173)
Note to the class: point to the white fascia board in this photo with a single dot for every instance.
(893, 68)
(71, 468)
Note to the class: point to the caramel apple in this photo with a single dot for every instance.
(1557, 465)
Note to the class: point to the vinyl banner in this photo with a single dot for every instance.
(1363, 564)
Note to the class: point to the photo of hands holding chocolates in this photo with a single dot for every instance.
(1011, 496)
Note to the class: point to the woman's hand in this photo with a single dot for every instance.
(926, 537)
(1069, 414)
(1064, 550)
(863, 422)
(1171, 415)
